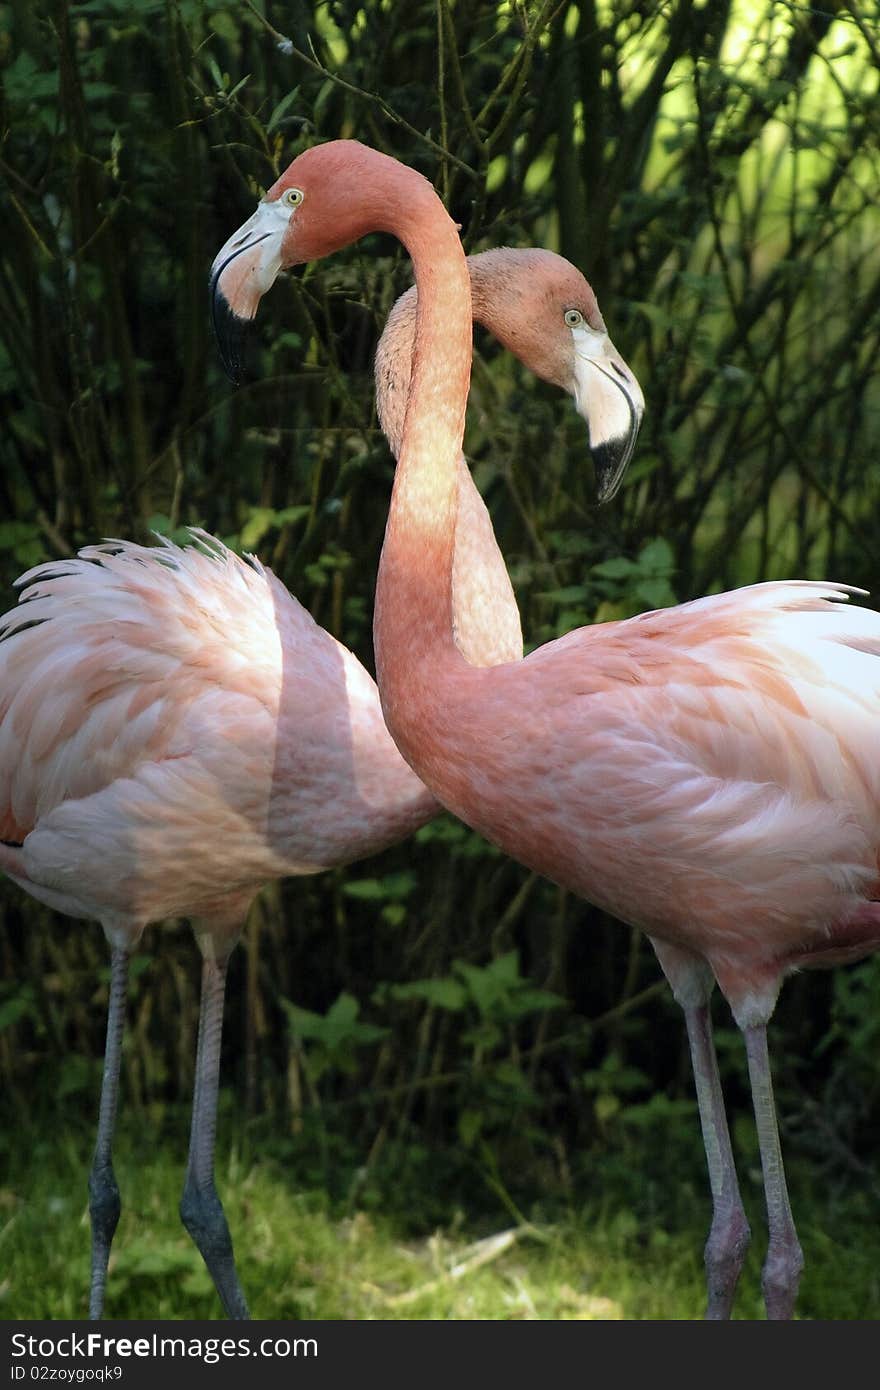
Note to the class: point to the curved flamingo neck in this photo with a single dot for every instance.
(412, 626)
(486, 621)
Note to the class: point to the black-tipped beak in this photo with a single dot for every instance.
(611, 457)
(243, 270)
(230, 332)
(609, 398)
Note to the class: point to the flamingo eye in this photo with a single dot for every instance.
(292, 197)
(574, 318)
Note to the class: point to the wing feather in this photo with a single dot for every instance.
(107, 652)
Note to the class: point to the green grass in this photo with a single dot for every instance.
(633, 1252)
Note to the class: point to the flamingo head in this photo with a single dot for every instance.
(330, 196)
(539, 306)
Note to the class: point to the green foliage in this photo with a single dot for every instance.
(15, 1003)
(22, 541)
(497, 992)
(856, 1008)
(265, 519)
(330, 1040)
(391, 891)
(618, 588)
(643, 582)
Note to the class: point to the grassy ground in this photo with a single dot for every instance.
(395, 1252)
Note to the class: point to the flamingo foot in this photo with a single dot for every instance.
(781, 1276)
(201, 1212)
(104, 1208)
(725, 1255)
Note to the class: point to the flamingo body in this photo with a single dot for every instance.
(206, 736)
(709, 773)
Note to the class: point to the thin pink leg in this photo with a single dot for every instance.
(785, 1260)
(729, 1233)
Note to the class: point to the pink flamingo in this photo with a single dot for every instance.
(175, 730)
(709, 773)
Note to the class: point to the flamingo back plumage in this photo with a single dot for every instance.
(710, 773)
(106, 651)
(176, 729)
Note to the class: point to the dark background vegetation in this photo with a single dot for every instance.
(437, 1013)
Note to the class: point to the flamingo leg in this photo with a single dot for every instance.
(785, 1260)
(200, 1207)
(729, 1233)
(104, 1203)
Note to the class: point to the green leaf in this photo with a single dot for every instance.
(343, 1012)
(367, 889)
(216, 74)
(444, 992)
(657, 556)
(265, 519)
(25, 83)
(536, 1000)
(302, 1021)
(11, 1010)
(619, 567)
(656, 593)
(490, 986)
(394, 887)
(505, 968)
(280, 109)
(394, 914)
(338, 1029)
(400, 884)
(242, 82)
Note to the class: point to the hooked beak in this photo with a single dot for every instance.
(243, 270)
(610, 399)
